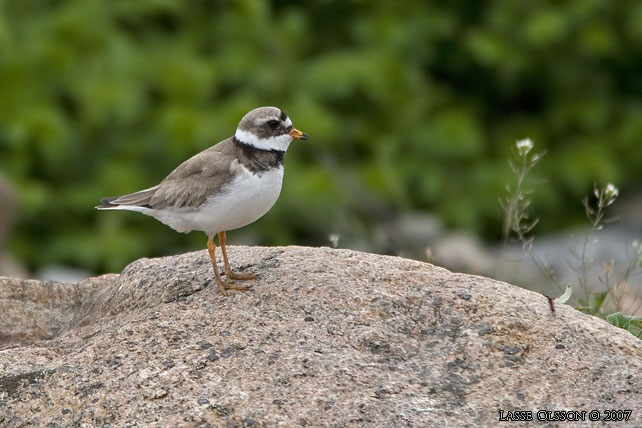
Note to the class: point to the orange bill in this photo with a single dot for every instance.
(298, 135)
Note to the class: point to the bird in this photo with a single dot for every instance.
(225, 187)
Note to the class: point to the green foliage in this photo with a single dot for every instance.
(410, 105)
(631, 324)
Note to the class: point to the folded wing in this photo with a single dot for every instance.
(187, 187)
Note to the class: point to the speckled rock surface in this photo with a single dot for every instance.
(325, 338)
(32, 310)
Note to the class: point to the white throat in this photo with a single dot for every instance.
(281, 143)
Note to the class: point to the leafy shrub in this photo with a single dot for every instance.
(409, 105)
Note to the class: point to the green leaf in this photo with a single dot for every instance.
(629, 323)
(566, 295)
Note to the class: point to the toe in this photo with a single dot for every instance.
(232, 286)
(242, 275)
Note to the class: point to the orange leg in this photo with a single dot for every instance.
(211, 247)
(228, 271)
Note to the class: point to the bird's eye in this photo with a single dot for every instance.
(273, 123)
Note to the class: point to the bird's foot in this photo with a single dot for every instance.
(223, 286)
(241, 276)
(231, 286)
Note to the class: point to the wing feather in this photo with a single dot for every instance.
(189, 185)
(196, 179)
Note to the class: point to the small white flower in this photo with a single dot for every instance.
(524, 146)
(334, 239)
(611, 192)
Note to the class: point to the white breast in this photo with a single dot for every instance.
(241, 202)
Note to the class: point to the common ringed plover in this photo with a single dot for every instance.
(224, 187)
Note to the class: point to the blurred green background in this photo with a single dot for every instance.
(412, 106)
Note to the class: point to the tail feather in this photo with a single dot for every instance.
(107, 203)
(132, 201)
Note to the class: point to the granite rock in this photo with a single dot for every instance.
(324, 338)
